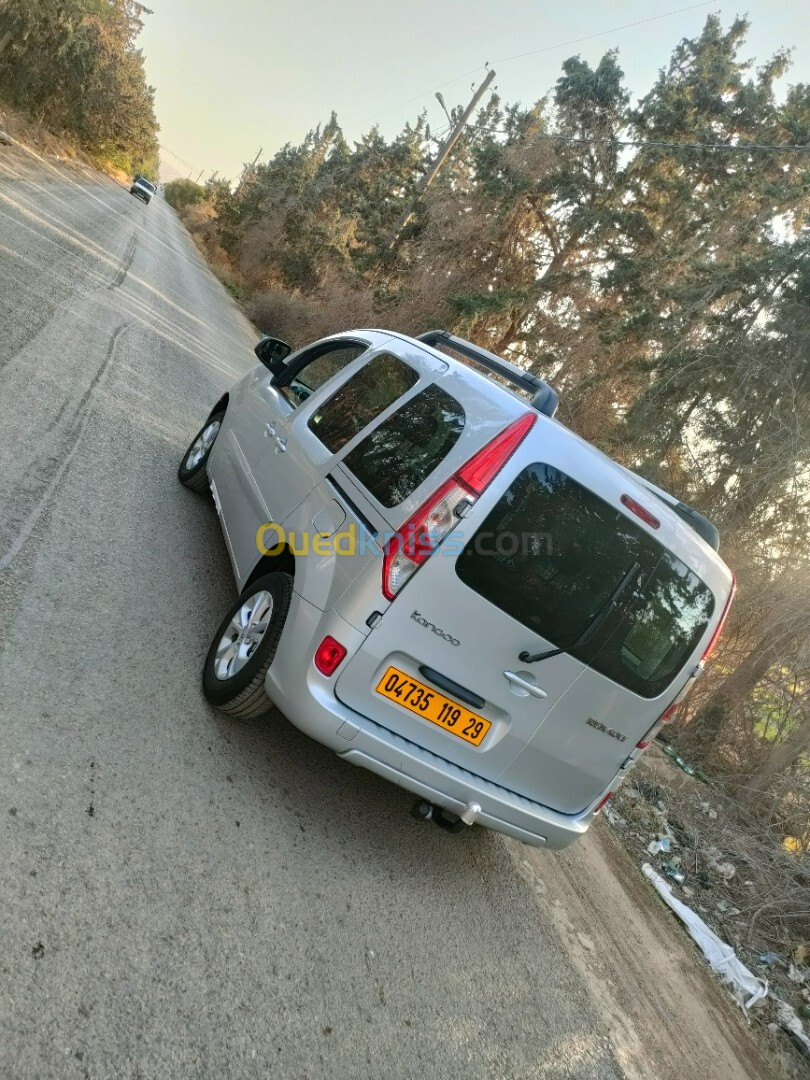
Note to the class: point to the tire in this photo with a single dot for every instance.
(194, 475)
(236, 686)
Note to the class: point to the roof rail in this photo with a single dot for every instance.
(544, 398)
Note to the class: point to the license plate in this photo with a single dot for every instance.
(440, 710)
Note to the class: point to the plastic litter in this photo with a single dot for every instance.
(615, 819)
(663, 843)
(747, 988)
(724, 908)
(771, 958)
(720, 866)
(673, 755)
(672, 870)
(793, 1026)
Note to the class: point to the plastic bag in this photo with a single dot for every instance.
(746, 987)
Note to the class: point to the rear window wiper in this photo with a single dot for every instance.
(607, 609)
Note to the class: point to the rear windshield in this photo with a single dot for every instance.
(146, 184)
(395, 458)
(551, 554)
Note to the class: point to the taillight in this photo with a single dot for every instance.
(719, 628)
(424, 531)
(481, 469)
(604, 801)
(328, 656)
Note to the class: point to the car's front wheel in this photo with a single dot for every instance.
(244, 646)
(192, 472)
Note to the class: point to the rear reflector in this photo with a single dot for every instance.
(664, 718)
(641, 512)
(328, 656)
(604, 801)
(424, 531)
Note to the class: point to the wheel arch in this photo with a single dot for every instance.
(283, 560)
(221, 406)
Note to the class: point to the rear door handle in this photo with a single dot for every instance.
(269, 430)
(281, 445)
(527, 687)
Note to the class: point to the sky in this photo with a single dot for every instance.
(236, 76)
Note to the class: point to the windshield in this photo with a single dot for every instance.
(551, 554)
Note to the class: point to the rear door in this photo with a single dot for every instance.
(535, 564)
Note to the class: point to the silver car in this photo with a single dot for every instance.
(444, 584)
(143, 189)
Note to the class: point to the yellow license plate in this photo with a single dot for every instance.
(440, 710)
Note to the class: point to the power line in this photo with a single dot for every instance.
(644, 144)
(177, 157)
(419, 97)
(546, 48)
(601, 33)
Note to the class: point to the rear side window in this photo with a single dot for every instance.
(355, 405)
(551, 554)
(394, 459)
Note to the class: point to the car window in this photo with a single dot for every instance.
(361, 399)
(327, 361)
(394, 459)
(551, 554)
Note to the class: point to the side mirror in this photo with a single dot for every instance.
(273, 352)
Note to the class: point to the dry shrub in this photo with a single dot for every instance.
(201, 221)
(300, 319)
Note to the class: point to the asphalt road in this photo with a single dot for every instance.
(182, 895)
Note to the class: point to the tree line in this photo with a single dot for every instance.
(72, 65)
(647, 256)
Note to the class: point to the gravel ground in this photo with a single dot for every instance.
(183, 896)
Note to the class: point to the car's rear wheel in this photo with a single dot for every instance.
(192, 472)
(244, 646)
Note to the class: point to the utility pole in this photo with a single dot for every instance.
(247, 171)
(442, 156)
(199, 175)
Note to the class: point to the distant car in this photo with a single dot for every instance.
(143, 189)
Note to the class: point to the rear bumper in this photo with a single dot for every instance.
(308, 701)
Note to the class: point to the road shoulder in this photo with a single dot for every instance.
(667, 1015)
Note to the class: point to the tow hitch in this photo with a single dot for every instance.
(423, 810)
